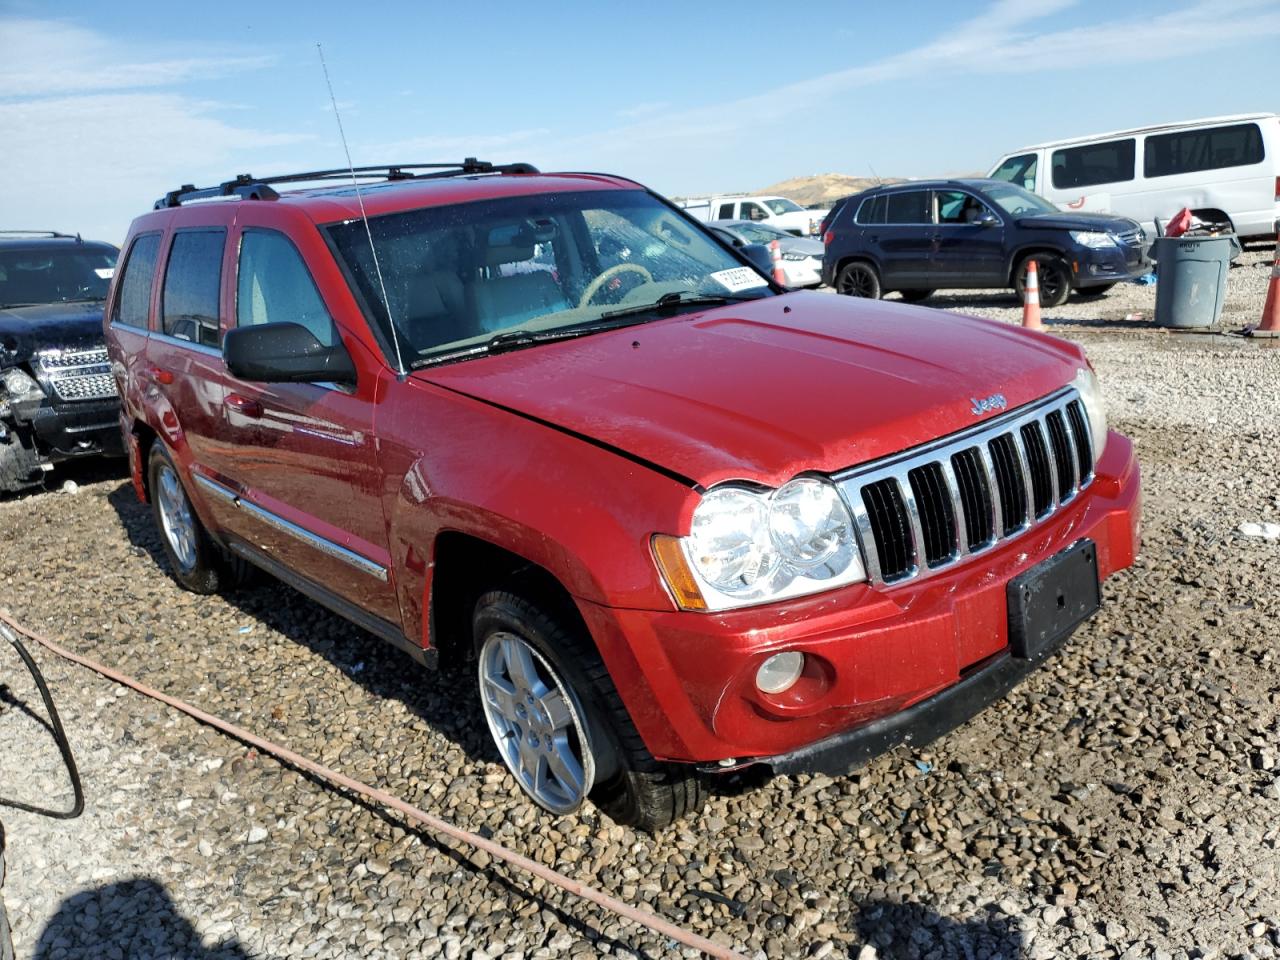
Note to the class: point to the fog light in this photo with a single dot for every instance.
(779, 672)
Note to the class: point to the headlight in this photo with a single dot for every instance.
(1096, 240)
(750, 546)
(18, 384)
(1094, 406)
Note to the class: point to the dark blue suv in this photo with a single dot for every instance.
(918, 237)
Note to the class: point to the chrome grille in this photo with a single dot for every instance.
(926, 509)
(76, 374)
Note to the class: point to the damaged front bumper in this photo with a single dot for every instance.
(36, 433)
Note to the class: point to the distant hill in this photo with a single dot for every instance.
(823, 187)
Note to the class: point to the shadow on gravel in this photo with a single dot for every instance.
(907, 930)
(133, 918)
(88, 470)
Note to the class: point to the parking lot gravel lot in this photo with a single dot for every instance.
(1124, 802)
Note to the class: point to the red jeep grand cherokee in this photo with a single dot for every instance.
(683, 520)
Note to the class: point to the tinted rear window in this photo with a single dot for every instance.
(1167, 154)
(1095, 163)
(134, 301)
(192, 280)
(872, 210)
(908, 207)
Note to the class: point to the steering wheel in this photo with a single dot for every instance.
(594, 286)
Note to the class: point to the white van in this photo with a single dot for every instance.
(1223, 168)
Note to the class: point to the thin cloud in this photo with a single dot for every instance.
(50, 57)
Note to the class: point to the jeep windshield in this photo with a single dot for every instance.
(508, 273)
(32, 276)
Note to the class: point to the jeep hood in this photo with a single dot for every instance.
(24, 330)
(767, 389)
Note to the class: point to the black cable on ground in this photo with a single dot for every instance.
(59, 736)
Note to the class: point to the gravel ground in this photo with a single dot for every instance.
(1125, 801)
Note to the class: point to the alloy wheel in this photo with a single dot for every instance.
(176, 519)
(536, 722)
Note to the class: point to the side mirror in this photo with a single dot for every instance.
(987, 219)
(759, 256)
(284, 353)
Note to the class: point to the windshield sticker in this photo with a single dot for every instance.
(105, 273)
(739, 278)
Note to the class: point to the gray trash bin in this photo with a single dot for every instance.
(1192, 279)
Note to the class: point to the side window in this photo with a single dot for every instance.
(134, 300)
(274, 286)
(753, 211)
(956, 206)
(1110, 162)
(910, 206)
(726, 212)
(872, 210)
(1020, 170)
(1167, 154)
(192, 280)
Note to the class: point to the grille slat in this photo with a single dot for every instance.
(975, 497)
(920, 512)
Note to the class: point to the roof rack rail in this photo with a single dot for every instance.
(249, 187)
(54, 234)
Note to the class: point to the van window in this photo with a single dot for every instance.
(1111, 162)
(1167, 154)
(911, 206)
(1020, 170)
(872, 210)
(273, 285)
(133, 303)
(192, 281)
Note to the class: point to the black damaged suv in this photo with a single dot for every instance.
(918, 237)
(57, 395)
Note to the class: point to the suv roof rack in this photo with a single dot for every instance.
(52, 234)
(249, 187)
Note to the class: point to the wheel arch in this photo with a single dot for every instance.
(1022, 253)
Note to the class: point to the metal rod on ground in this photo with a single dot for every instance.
(625, 910)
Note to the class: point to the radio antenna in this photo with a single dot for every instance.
(377, 267)
(879, 182)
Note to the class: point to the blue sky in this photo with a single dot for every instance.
(103, 107)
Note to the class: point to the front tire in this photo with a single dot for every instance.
(858, 279)
(559, 724)
(1054, 277)
(195, 561)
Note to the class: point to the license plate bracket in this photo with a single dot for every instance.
(1047, 602)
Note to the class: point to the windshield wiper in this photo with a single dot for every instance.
(680, 298)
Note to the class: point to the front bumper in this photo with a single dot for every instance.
(1098, 267)
(86, 428)
(803, 273)
(889, 662)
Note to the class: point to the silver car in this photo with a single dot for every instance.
(801, 256)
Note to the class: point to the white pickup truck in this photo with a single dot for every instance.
(776, 211)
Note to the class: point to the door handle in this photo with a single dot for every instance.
(160, 375)
(245, 406)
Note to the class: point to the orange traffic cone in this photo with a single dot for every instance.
(1031, 299)
(775, 254)
(1269, 325)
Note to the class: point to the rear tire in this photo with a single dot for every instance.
(916, 296)
(1054, 277)
(195, 561)
(628, 783)
(858, 279)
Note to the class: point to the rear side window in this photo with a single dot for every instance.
(1110, 162)
(726, 211)
(192, 280)
(274, 286)
(908, 207)
(1167, 154)
(1020, 170)
(134, 300)
(872, 210)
